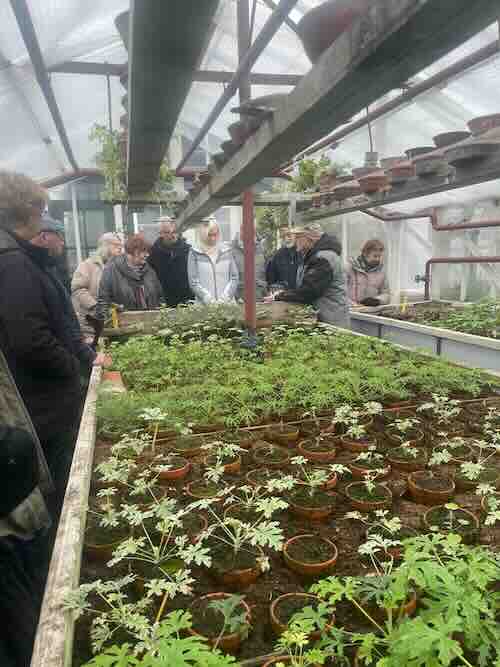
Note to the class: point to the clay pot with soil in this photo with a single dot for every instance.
(331, 477)
(365, 500)
(459, 454)
(235, 570)
(100, 542)
(188, 446)
(315, 507)
(404, 533)
(269, 455)
(450, 518)
(174, 468)
(208, 623)
(260, 476)
(310, 555)
(312, 429)
(242, 438)
(232, 464)
(360, 469)
(395, 437)
(362, 444)
(285, 606)
(426, 488)
(282, 434)
(490, 475)
(320, 449)
(407, 459)
(199, 489)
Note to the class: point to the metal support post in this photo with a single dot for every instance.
(76, 224)
(249, 260)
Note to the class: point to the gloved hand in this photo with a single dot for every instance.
(370, 301)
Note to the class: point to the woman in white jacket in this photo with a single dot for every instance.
(212, 271)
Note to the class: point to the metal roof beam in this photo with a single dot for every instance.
(27, 29)
(288, 21)
(78, 67)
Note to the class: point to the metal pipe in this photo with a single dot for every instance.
(110, 108)
(243, 31)
(76, 224)
(272, 6)
(69, 176)
(433, 219)
(27, 29)
(444, 75)
(270, 28)
(249, 262)
(495, 259)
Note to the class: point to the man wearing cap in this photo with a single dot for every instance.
(51, 237)
(169, 258)
(321, 279)
(283, 265)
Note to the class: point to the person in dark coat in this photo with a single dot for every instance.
(41, 348)
(320, 280)
(169, 257)
(129, 281)
(282, 267)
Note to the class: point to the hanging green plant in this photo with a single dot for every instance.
(110, 160)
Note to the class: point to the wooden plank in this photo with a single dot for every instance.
(54, 638)
(394, 41)
(166, 42)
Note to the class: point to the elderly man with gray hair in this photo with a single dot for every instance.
(169, 259)
(320, 280)
(87, 277)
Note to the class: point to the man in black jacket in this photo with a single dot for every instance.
(41, 349)
(282, 267)
(168, 257)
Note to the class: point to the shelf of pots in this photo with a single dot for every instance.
(445, 329)
(214, 524)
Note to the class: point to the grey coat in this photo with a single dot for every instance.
(260, 269)
(31, 515)
(122, 285)
(213, 281)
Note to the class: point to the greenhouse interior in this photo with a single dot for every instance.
(250, 333)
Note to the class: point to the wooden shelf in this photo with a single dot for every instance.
(394, 41)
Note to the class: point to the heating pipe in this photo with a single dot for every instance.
(495, 259)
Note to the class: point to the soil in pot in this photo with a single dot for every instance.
(153, 495)
(359, 469)
(429, 489)
(241, 512)
(286, 606)
(413, 435)
(100, 542)
(244, 439)
(267, 454)
(487, 476)
(188, 446)
(232, 464)
(460, 454)
(179, 467)
(320, 449)
(401, 459)
(209, 622)
(310, 555)
(200, 489)
(283, 435)
(331, 480)
(260, 476)
(464, 522)
(361, 498)
(235, 570)
(315, 507)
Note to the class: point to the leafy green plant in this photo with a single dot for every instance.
(234, 615)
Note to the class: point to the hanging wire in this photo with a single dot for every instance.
(252, 23)
(370, 134)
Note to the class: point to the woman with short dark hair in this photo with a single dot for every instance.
(366, 277)
(129, 281)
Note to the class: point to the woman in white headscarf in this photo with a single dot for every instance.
(212, 271)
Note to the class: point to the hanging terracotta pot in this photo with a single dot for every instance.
(320, 27)
(484, 123)
(401, 172)
(446, 139)
(373, 182)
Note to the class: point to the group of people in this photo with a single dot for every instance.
(48, 334)
(307, 269)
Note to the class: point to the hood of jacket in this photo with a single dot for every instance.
(359, 264)
(126, 270)
(223, 249)
(325, 242)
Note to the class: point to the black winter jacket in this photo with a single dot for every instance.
(122, 285)
(170, 265)
(37, 339)
(282, 267)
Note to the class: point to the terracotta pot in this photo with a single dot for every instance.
(309, 512)
(311, 429)
(232, 468)
(417, 437)
(286, 437)
(429, 164)
(420, 494)
(471, 150)
(388, 163)
(240, 579)
(323, 456)
(484, 123)
(402, 172)
(114, 378)
(420, 150)
(359, 472)
(271, 474)
(320, 27)
(468, 536)
(180, 470)
(100, 553)
(357, 445)
(192, 452)
(228, 643)
(492, 477)
(239, 132)
(373, 182)
(468, 455)
(410, 465)
(310, 569)
(368, 505)
(260, 459)
(193, 493)
(347, 190)
(279, 627)
(449, 138)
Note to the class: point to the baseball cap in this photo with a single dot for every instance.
(311, 229)
(51, 225)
